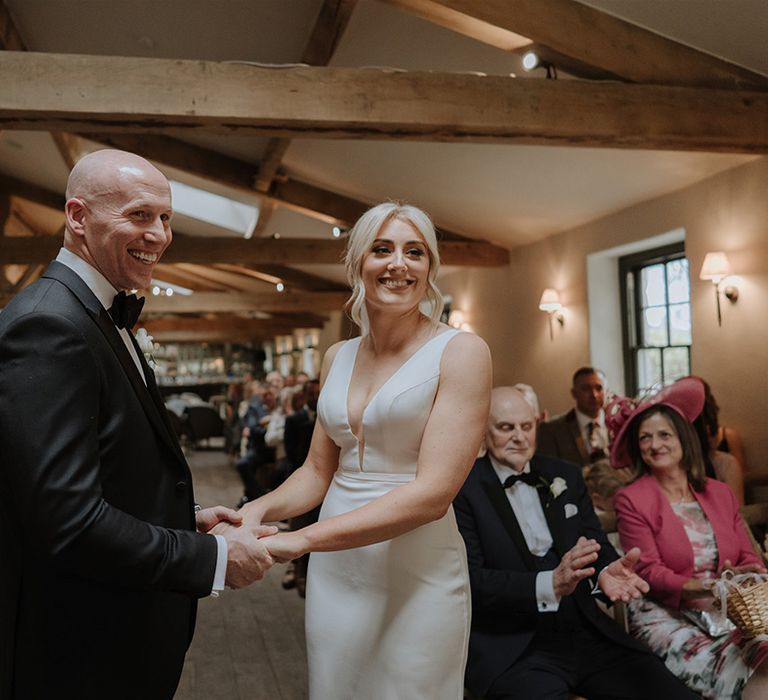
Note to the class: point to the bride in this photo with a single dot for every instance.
(400, 418)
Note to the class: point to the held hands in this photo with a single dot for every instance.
(207, 518)
(618, 581)
(286, 546)
(574, 566)
(247, 557)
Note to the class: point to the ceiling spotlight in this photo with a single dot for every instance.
(336, 232)
(532, 60)
(155, 290)
(169, 292)
(276, 236)
(280, 287)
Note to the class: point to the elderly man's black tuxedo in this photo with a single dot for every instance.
(101, 567)
(503, 571)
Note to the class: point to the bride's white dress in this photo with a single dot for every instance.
(389, 621)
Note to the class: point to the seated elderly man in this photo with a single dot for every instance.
(537, 557)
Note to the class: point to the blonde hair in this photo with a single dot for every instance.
(359, 241)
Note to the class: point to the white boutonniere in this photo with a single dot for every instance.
(147, 346)
(557, 486)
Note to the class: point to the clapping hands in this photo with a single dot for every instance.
(618, 581)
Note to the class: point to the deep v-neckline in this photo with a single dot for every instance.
(378, 391)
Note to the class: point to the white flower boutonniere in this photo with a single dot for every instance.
(557, 486)
(147, 346)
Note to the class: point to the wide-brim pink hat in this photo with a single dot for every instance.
(686, 396)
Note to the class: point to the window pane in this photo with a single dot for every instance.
(652, 283)
(680, 324)
(677, 281)
(655, 327)
(675, 364)
(648, 369)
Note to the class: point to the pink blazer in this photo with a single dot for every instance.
(646, 520)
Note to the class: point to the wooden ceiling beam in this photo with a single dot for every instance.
(10, 39)
(229, 323)
(591, 37)
(237, 251)
(296, 278)
(32, 193)
(91, 93)
(176, 275)
(212, 302)
(326, 34)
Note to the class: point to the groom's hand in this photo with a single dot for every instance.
(247, 557)
(207, 518)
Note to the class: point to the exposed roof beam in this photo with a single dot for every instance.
(176, 275)
(237, 251)
(212, 302)
(296, 278)
(224, 322)
(588, 36)
(10, 39)
(92, 93)
(326, 34)
(24, 190)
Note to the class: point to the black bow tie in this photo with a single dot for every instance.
(125, 310)
(526, 477)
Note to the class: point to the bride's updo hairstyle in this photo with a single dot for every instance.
(359, 241)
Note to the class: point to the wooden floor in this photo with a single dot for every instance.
(249, 644)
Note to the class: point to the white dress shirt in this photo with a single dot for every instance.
(105, 293)
(526, 505)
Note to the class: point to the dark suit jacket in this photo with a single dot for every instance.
(562, 438)
(101, 569)
(298, 437)
(502, 576)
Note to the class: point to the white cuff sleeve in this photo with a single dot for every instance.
(221, 567)
(546, 600)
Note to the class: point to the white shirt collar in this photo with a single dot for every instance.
(504, 470)
(583, 419)
(97, 283)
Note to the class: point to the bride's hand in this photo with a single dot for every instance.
(286, 546)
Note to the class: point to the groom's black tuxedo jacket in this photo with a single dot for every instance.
(502, 572)
(100, 567)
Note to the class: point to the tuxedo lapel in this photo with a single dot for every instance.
(496, 494)
(104, 321)
(552, 508)
(157, 400)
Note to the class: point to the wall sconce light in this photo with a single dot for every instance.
(716, 268)
(550, 302)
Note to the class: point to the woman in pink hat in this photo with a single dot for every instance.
(689, 529)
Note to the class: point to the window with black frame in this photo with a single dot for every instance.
(656, 319)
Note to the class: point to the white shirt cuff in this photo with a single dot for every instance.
(221, 566)
(546, 600)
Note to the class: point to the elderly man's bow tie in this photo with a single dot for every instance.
(526, 477)
(125, 310)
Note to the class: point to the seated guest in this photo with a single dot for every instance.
(535, 551)
(689, 529)
(579, 436)
(717, 464)
(603, 481)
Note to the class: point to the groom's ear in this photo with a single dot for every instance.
(75, 212)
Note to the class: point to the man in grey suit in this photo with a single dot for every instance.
(580, 435)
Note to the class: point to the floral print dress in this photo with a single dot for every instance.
(717, 668)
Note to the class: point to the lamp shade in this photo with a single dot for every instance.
(715, 267)
(550, 301)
